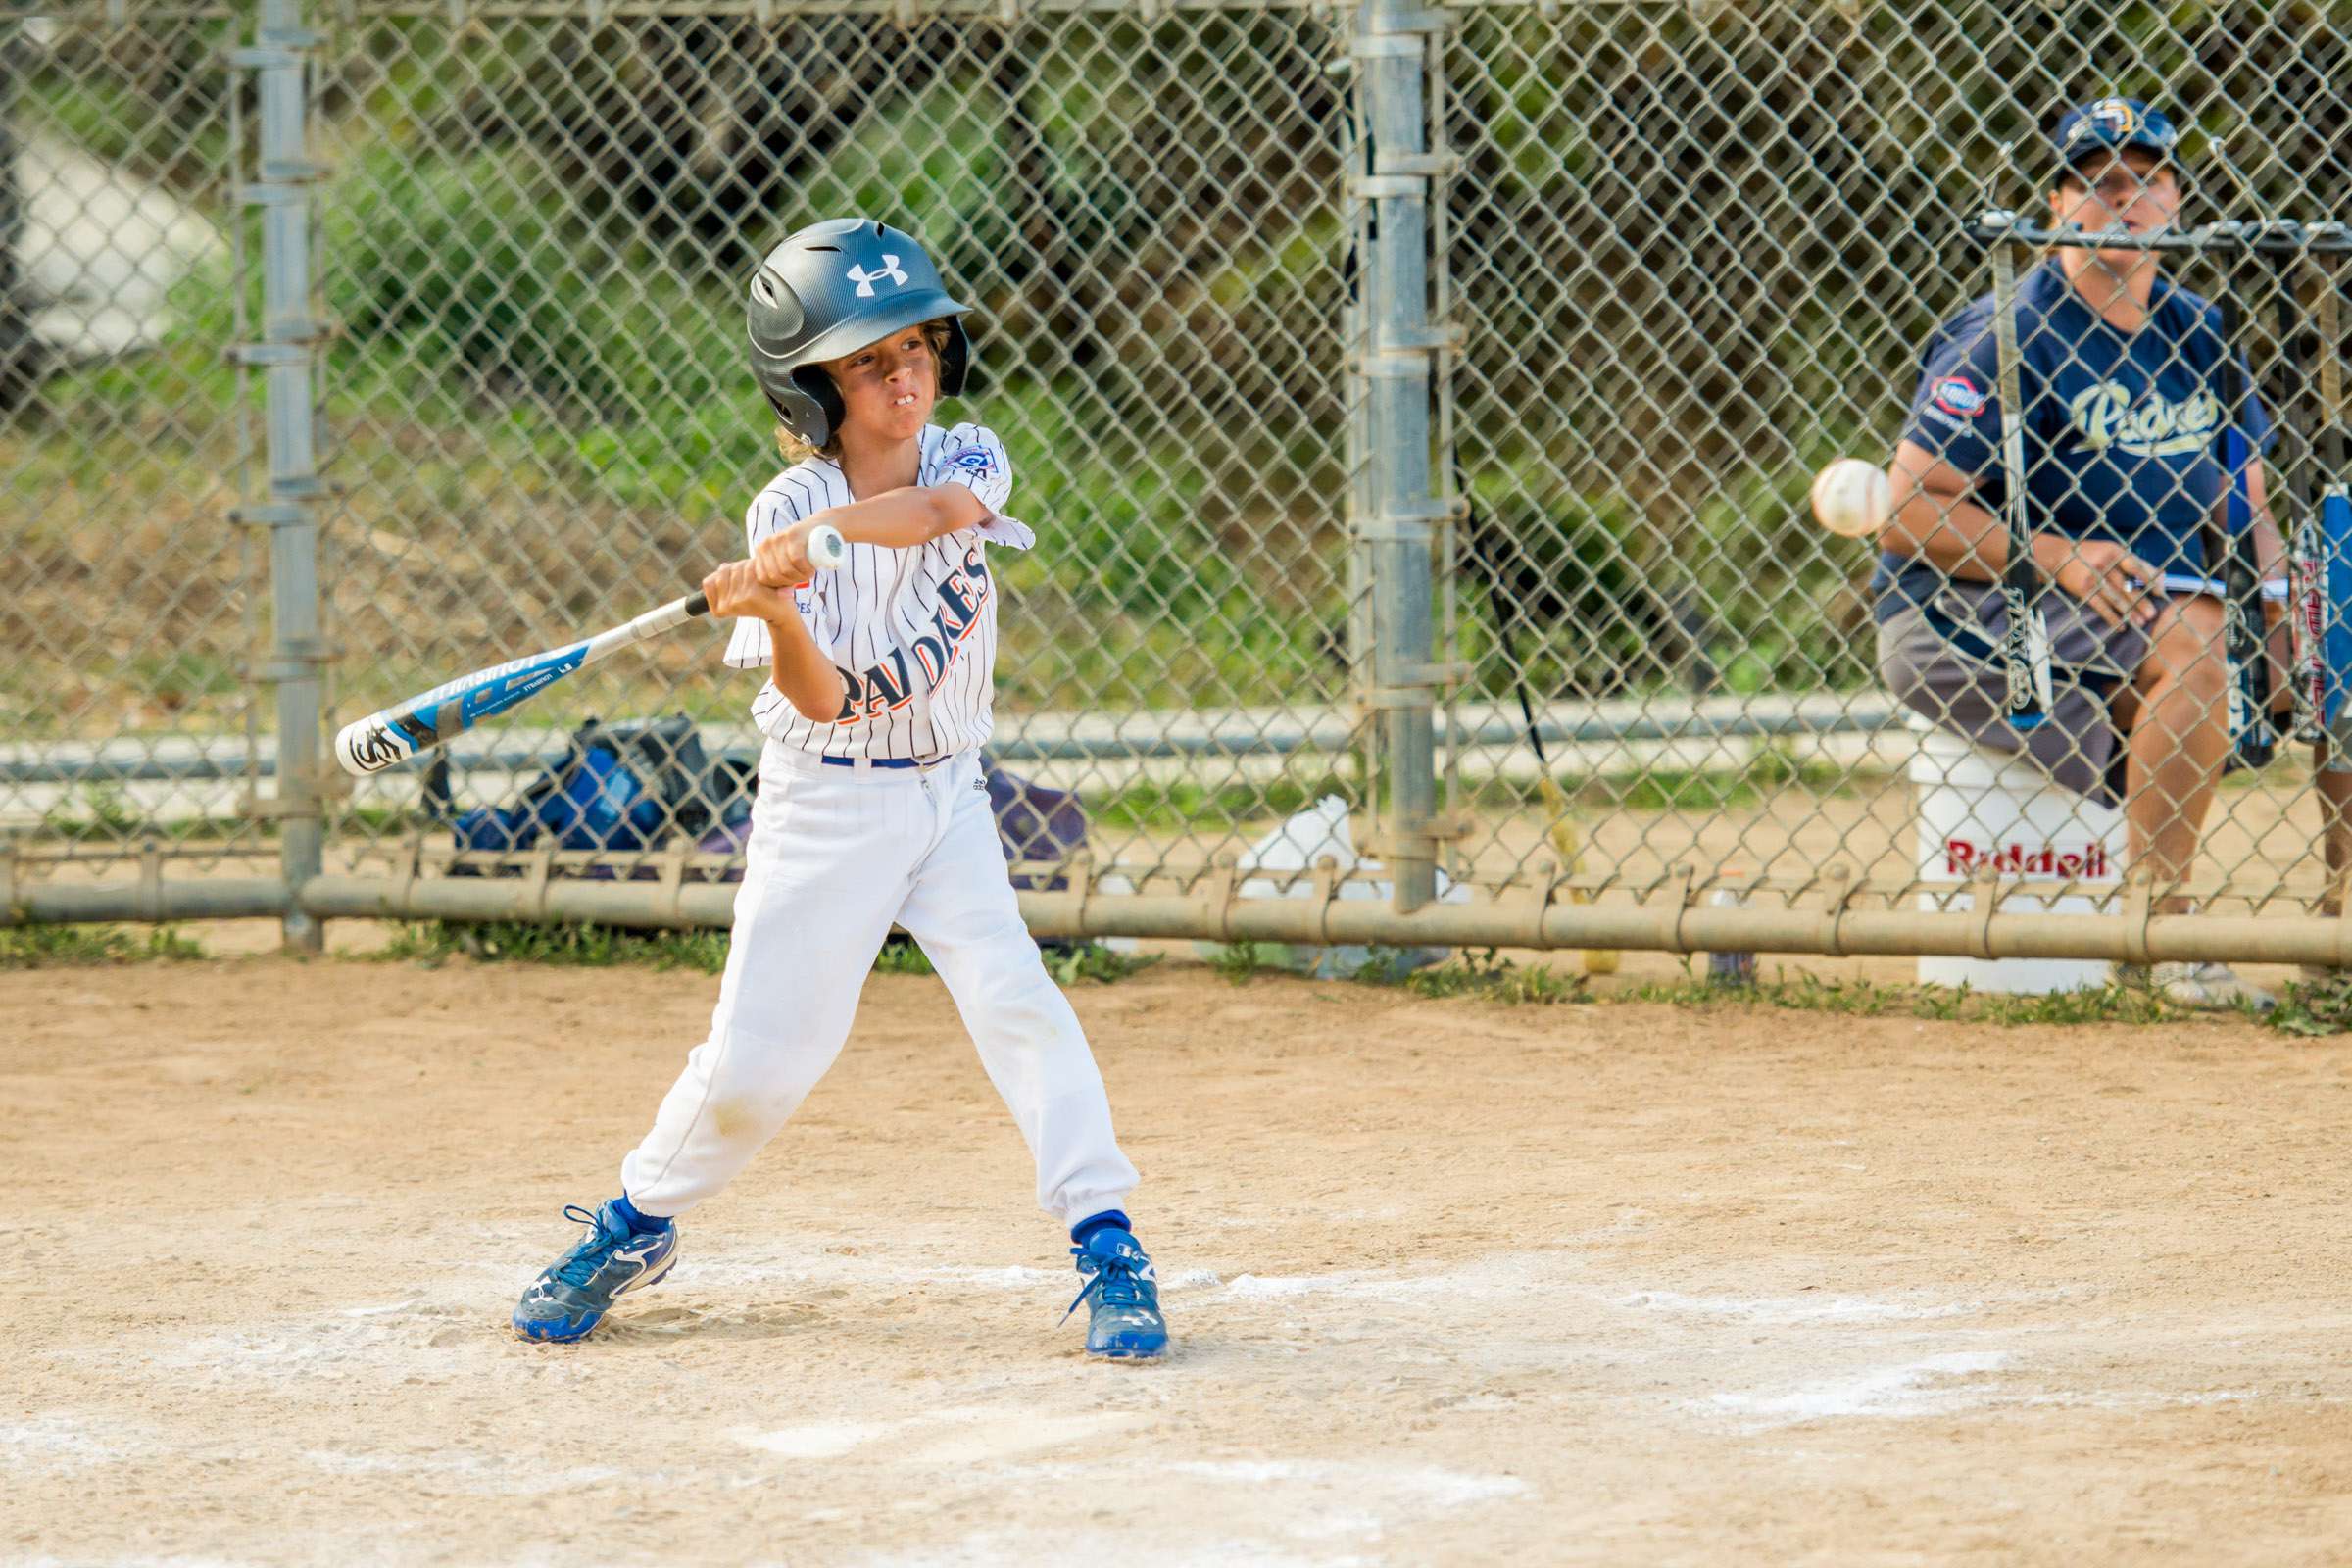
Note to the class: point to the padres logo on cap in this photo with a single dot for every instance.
(2114, 115)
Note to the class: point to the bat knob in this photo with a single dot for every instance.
(826, 547)
(370, 746)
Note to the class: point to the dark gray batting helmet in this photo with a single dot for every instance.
(833, 287)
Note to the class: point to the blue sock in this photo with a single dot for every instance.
(638, 1222)
(1087, 1227)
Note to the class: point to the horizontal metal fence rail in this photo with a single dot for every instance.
(1669, 927)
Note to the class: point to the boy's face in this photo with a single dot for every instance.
(888, 387)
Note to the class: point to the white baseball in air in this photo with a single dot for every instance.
(826, 549)
(1850, 498)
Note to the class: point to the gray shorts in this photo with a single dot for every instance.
(1962, 691)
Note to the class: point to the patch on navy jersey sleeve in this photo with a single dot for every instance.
(975, 459)
(1957, 394)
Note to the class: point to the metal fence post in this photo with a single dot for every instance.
(1390, 45)
(281, 191)
(17, 348)
(1356, 452)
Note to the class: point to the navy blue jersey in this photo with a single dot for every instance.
(2122, 429)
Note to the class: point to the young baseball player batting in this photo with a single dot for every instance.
(871, 809)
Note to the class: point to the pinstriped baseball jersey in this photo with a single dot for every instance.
(914, 632)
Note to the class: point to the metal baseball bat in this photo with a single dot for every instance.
(2230, 555)
(2307, 545)
(2295, 501)
(2026, 639)
(429, 718)
(2333, 529)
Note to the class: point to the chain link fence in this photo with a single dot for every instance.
(543, 421)
(128, 725)
(1699, 253)
(1678, 258)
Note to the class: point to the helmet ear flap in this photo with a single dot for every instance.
(810, 407)
(954, 360)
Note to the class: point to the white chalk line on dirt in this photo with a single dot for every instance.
(390, 1336)
(1924, 1386)
(1318, 1512)
(971, 1434)
(1935, 1384)
(512, 1475)
(1022, 1547)
(417, 1336)
(1794, 1309)
(58, 1441)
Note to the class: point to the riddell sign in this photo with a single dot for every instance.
(1965, 858)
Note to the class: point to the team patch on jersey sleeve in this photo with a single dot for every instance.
(975, 459)
(1957, 394)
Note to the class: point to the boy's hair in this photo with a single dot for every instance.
(796, 449)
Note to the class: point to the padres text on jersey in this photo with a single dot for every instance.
(914, 632)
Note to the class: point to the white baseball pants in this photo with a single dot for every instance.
(836, 856)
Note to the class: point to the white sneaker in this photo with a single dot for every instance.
(2195, 985)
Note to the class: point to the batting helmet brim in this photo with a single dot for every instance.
(855, 332)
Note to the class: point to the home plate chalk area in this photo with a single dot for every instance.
(1450, 1281)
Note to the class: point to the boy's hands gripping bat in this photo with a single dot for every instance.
(373, 744)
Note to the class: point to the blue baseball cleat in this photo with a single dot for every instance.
(573, 1295)
(1125, 1324)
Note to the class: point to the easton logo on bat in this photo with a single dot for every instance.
(494, 690)
(2020, 672)
(434, 716)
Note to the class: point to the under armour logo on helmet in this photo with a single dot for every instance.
(866, 280)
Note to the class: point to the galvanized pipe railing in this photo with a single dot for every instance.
(289, 332)
(1530, 919)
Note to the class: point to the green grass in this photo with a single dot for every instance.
(432, 943)
(1182, 804)
(1484, 974)
(1239, 962)
(101, 809)
(1243, 962)
(900, 955)
(1771, 771)
(53, 946)
(2315, 1009)
(1868, 999)
(1094, 962)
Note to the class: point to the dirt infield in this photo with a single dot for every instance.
(1452, 1282)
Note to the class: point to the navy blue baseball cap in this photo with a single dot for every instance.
(2109, 125)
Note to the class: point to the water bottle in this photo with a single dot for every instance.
(1730, 968)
